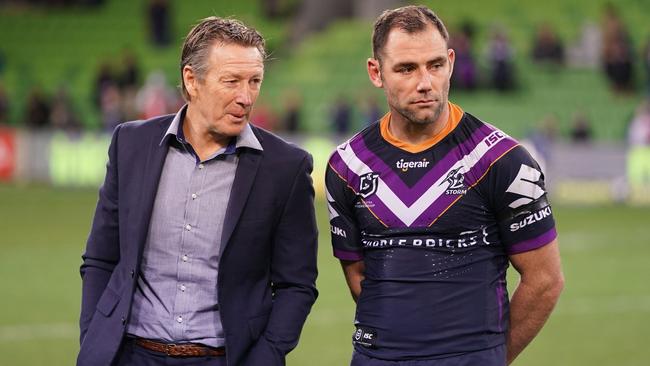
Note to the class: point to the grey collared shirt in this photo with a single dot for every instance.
(176, 296)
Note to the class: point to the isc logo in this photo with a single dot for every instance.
(365, 337)
(493, 138)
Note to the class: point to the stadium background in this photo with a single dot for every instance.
(49, 177)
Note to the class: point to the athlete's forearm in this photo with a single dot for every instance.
(530, 307)
(353, 272)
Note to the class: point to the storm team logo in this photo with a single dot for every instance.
(456, 180)
(368, 184)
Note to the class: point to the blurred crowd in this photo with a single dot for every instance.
(609, 47)
(122, 91)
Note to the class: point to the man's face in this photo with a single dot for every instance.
(225, 95)
(414, 72)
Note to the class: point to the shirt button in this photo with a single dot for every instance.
(182, 287)
(194, 196)
(184, 258)
(179, 319)
(200, 166)
(188, 227)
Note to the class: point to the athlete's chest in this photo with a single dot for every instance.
(410, 191)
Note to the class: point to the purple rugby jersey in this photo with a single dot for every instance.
(434, 230)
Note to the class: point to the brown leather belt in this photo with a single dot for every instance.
(180, 350)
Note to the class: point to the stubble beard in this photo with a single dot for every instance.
(411, 115)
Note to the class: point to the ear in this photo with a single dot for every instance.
(374, 72)
(190, 80)
(451, 56)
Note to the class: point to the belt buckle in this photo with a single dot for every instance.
(168, 348)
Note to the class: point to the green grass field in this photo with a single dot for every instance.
(603, 317)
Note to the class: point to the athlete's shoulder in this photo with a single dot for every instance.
(358, 140)
(483, 129)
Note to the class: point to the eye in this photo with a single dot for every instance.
(405, 69)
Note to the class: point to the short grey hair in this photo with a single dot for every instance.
(199, 40)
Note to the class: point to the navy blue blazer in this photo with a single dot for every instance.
(267, 268)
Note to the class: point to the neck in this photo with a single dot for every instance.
(416, 133)
(198, 133)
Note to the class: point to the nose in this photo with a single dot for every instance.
(425, 82)
(245, 96)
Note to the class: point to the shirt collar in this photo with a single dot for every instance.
(245, 139)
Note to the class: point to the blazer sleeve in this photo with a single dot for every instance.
(102, 248)
(293, 265)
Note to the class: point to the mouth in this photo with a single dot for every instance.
(425, 102)
(238, 116)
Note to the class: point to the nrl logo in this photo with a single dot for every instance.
(368, 184)
(455, 179)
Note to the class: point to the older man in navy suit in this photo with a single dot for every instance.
(203, 245)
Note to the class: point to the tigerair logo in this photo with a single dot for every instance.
(406, 165)
(455, 179)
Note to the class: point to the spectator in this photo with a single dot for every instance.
(639, 129)
(129, 76)
(38, 109)
(292, 113)
(646, 65)
(581, 131)
(4, 106)
(465, 73)
(62, 115)
(547, 47)
(544, 135)
(3, 62)
(501, 59)
(617, 53)
(262, 116)
(342, 116)
(105, 78)
(372, 112)
(111, 107)
(155, 98)
(159, 22)
(586, 51)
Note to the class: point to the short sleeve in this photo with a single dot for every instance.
(344, 230)
(520, 201)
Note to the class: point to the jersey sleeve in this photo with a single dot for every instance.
(520, 202)
(346, 241)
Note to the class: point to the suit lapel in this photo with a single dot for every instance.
(249, 161)
(151, 171)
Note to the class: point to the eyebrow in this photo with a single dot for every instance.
(240, 75)
(440, 59)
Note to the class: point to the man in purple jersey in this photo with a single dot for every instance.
(428, 207)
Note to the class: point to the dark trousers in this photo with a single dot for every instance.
(132, 355)
(490, 357)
